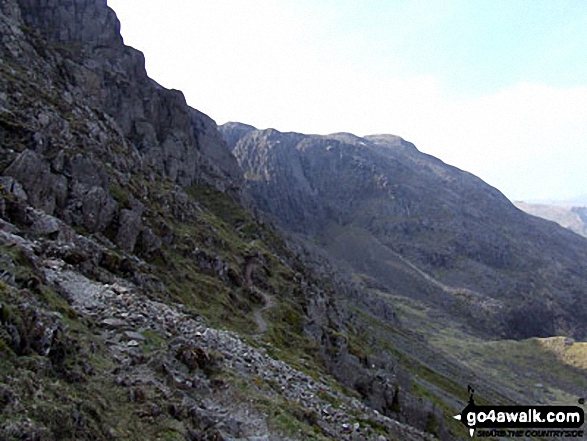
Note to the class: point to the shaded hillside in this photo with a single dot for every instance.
(568, 216)
(138, 298)
(411, 225)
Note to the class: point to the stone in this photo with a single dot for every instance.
(87, 22)
(87, 172)
(137, 336)
(44, 189)
(218, 154)
(147, 241)
(13, 186)
(130, 226)
(46, 225)
(98, 209)
(113, 323)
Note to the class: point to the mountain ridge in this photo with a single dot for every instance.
(450, 224)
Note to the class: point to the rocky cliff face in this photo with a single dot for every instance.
(69, 79)
(415, 226)
(124, 248)
(106, 75)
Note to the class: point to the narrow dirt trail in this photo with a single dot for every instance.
(269, 303)
(267, 299)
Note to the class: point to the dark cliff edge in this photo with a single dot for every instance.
(138, 297)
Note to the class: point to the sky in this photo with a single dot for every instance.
(495, 87)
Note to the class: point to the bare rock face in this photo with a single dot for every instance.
(44, 189)
(130, 226)
(88, 23)
(80, 116)
(171, 137)
(233, 131)
(211, 144)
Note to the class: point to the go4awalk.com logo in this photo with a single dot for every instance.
(522, 421)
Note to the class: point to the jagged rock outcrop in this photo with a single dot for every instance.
(418, 227)
(70, 79)
(233, 131)
(85, 23)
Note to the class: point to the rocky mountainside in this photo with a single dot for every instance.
(572, 217)
(139, 298)
(143, 297)
(409, 224)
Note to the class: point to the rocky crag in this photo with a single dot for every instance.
(125, 248)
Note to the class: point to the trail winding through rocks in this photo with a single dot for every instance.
(268, 301)
(143, 338)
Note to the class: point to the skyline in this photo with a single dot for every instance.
(496, 88)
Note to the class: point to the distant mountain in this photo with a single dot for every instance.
(412, 225)
(569, 216)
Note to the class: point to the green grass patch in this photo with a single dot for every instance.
(221, 205)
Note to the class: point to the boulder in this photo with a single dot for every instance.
(45, 190)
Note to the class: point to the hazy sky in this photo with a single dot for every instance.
(495, 87)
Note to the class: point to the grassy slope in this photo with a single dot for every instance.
(444, 357)
(536, 370)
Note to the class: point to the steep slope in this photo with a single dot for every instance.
(138, 298)
(572, 217)
(411, 225)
